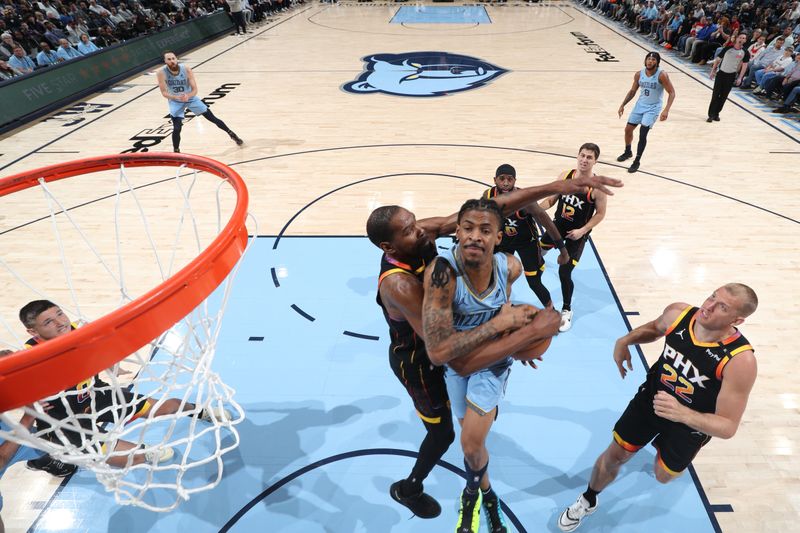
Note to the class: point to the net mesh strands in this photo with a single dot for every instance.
(143, 265)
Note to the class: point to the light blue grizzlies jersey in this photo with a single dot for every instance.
(651, 91)
(177, 84)
(471, 309)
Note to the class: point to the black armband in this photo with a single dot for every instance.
(560, 244)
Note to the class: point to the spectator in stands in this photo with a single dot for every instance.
(86, 46)
(21, 62)
(236, 9)
(762, 60)
(788, 37)
(72, 31)
(702, 51)
(646, 16)
(106, 37)
(53, 34)
(783, 84)
(115, 17)
(746, 14)
(46, 56)
(100, 11)
(671, 27)
(125, 13)
(789, 101)
(7, 72)
(7, 45)
(50, 11)
(124, 31)
(25, 42)
(30, 34)
(702, 35)
(39, 22)
(776, 68)
(758, 43)
(698, 11)
(66, 51)
(684, 40)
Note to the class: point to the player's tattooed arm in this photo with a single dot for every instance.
(443, 343)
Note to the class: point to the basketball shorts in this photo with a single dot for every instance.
(104, 403)
(531, 256)
(194, 104)
(644, 115)
(574, 247)
(480, 391)
(677, 444)
(423, 381)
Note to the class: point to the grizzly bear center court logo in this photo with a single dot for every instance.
(422, 74)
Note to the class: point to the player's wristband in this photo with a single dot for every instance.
(560, 244)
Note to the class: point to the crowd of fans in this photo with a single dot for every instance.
(36, 35)
(700, 31)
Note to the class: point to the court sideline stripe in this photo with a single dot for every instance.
(103, 115)
(684, 72)
(695, 478)
(349, 455)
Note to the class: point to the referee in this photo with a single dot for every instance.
(729, 61)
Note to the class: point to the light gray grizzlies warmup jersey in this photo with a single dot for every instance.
(651, 92)
(470, 308)
(179, 84)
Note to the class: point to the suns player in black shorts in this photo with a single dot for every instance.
(409, 246)
(521, 235)
(94, 401)
(575, 217)
(697, 389)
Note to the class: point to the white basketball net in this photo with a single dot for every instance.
(92, 269)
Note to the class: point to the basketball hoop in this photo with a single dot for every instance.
(166, 335)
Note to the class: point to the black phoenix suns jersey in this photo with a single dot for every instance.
(573, 210)
(402, 335)
(77, 397)
(519, 228)
(691, 370)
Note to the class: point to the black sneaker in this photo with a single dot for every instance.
(422, 505)
(236, 138)
(634, 166)
(625, 156)
(782, 110)
(494, 516)
(469, 516)
(54, 467)
(715, 118)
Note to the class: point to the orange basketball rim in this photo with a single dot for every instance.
(48, 368)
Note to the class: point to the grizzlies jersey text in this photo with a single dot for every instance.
(691, 370)
(519, 228)
(470, 308)
(651, 91)
(177, 83)
(573, 210)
